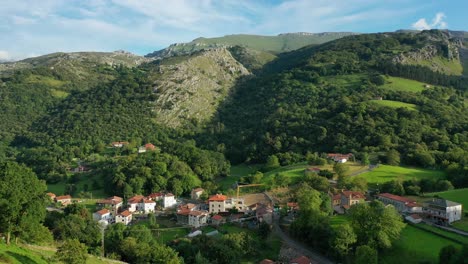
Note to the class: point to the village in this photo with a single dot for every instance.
(251, 209)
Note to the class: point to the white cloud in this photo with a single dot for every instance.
(437, 22)
(4, 55)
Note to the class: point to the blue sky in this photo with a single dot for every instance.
(31, 27)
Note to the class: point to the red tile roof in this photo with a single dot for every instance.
(51, 195)
(197, 213)
(150, 146)
(63, 197)
(217, 218)
(148, 201)
(354, 195)
(291, 204)
(217, 198)
(198, 190)
(300, 260)
(267, 261)
(337, 197)
(396, 198)
(111, 200)
(135, 199)
(155, 195)
(103, 212)
(125, 213)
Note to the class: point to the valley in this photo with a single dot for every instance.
(238, 149)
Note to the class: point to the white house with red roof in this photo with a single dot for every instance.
(340, 158)
(169, 200)
(114, 203)
(141, 204)
(63, 199)
(119, 144)
(124, 217)
(402, 204)
(217, 203)
(103, 214)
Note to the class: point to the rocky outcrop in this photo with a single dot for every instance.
(189, 90)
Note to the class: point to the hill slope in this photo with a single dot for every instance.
(275, 44)
(296, 106)
(189, 89)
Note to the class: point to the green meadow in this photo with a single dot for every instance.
(385, 173)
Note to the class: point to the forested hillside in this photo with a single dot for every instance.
(319, 99)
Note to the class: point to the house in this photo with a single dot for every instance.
(340, 158)
(196, 193)
(124, 217)
(183, 212)
(336, 200)
(146, 147)
(414, 218)
(197, 218)
(114, 203)
(217, 203)
(267, 261)
(156, 196)
(264, 212)
(134, 203)
(103, 214)
(349, 198)
(301, 260)
(119, 144)
(141, 204)
(443, 211)
(51, 196)
(217, 220)
(169, 200)
(292, 206)
(402, 204)
(63, 200)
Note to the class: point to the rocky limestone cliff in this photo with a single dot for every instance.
(441, 54)
(190, 89)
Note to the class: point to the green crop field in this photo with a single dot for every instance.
(416, 246)
(393, 104)
(386, 173)
(402, 84)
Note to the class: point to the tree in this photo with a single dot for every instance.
(365, 255)
(340, 168)
(344, 238)
(22, 199)
(72, 252)
(393, 157)
(376, 225)
(257, 177)
(272, 163)
(365, 158)
(448, 254)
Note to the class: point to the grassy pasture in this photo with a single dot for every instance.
(415, 246)
(393, 104)
(83, 179)
(385, 173)
(402, 84)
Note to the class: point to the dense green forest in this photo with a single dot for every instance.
(299, 104)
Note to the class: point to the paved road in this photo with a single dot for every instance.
(450, 229)
(297, 245)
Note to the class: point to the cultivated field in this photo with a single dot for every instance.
(386, 173)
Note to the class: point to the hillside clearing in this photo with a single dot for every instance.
(385, 173)
(402, 84)
(393, 104)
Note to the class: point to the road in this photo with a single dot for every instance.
(297, 245)
(317, 257)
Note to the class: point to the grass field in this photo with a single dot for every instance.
(33, 255)
(338, 220)
(386, 173)
(84, 179)
(393, 104)
(415, 246)
(402, 84)
(460, 238)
